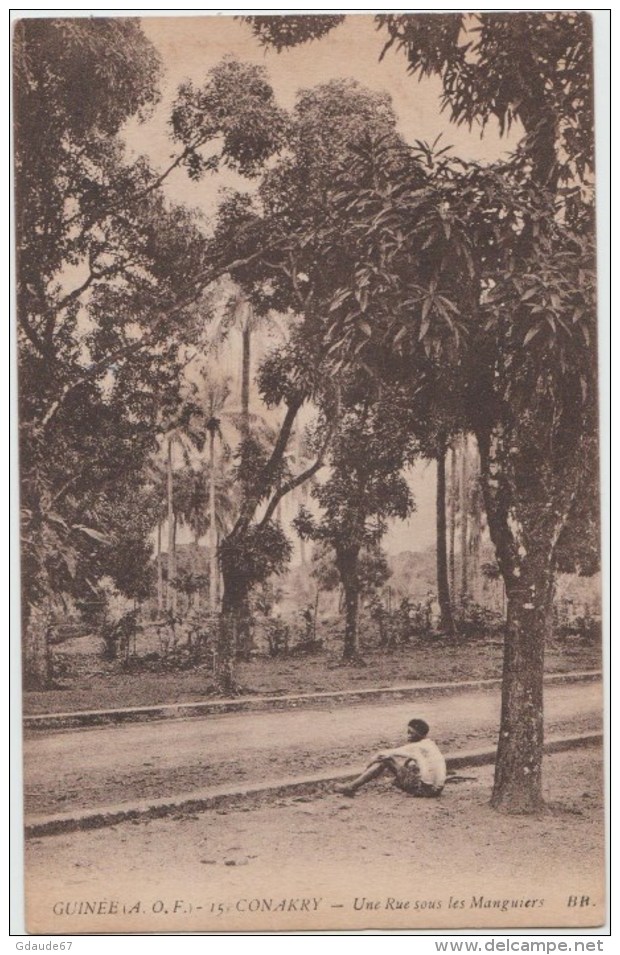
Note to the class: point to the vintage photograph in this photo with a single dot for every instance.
(309, 472)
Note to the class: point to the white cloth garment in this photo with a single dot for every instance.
(427, 755)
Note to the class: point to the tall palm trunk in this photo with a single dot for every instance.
(197, 563)
(245, 379)
(475, 524)
(213, 568)
(243, 634)
(218, 576)
(171, 555)
(175, 593)
(160, 572)
(452, 519)
(464, 508)
(443, 588)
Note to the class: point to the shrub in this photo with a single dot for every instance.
(471, 619)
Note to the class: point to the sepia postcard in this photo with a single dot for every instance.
(309, 472)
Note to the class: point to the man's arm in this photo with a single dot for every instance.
(406, 752)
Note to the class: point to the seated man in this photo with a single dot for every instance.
(418, 767)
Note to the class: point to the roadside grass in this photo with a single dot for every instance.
(85, 681)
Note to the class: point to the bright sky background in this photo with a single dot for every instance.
(191, 46)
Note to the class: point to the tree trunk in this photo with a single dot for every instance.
(212, 538)
(231, 626)
(302, 491)
(245, 378)
(464, 515)
(218, 576)
(351, 635)
(347, 562)
(197, 566)
(452, 518)
(160, 573)
(243, 642)
(524, 539)
(175, 592)
(443, 589)
(316, 614)
(170, 555)
(475, 525)
(518, 767)
(224, 654)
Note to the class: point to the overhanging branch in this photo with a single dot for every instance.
(150, 338)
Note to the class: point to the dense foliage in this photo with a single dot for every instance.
(422, 296)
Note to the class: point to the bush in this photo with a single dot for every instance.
(278, 635)
(117, 635)
(37, 657)
(471, 619)
(586, 628)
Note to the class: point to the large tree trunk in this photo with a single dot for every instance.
(443, 589)
(518, 767)
(347, 562)
(524, 535)
(224, 663)
(232, 623)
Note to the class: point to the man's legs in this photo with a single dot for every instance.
(372, 771)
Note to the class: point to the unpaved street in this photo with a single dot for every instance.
(449, 862)
(79, 769)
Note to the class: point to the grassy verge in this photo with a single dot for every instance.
(85, 681)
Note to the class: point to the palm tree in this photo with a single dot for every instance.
(452, 504)
(443, 586)
(224, 426)
(464, 509)
(157, 476)
(183, 430)
(214, 396)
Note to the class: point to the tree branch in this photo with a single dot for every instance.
(33, 336)
(148, 339)
(293, 276)
(298, 479)
(157, 182)
(93, 275)
(263, 485)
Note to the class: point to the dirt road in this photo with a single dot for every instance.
(81, 769)
(380, 859)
